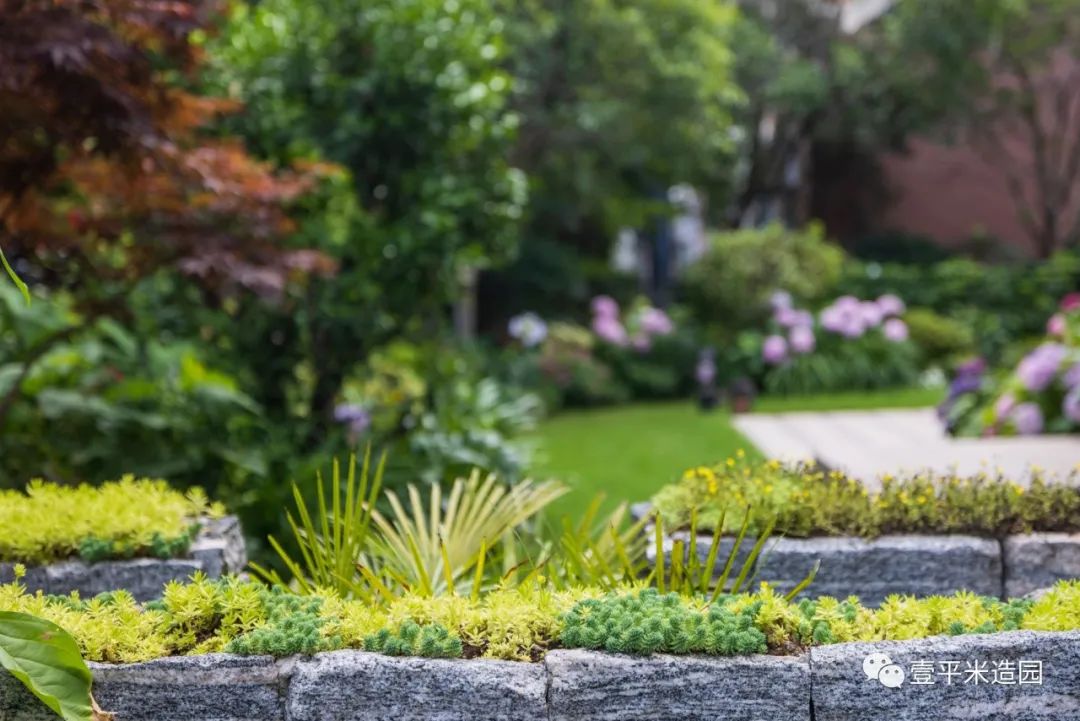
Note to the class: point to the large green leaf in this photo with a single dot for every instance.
(47, 660)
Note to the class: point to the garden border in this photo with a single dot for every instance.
(922, 565)
(218, 549)
(826, 683)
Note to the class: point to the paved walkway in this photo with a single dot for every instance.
(868, 444)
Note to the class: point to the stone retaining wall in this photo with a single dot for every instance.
(873, 569)
(826, 684)
(218, 549)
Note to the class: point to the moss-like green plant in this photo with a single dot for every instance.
(120, 519)
(412, 639)
(649, 622)
(518, 623)
(807, 501)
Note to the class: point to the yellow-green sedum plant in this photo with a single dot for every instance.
(512, 622)
(120, 519)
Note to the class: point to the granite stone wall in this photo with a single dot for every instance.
(217, 550)
(1019, 676)
(920, 565)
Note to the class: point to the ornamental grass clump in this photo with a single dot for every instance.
(120, 519)
(808, 501)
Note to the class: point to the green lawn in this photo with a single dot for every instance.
(903, 398)
(629, 452)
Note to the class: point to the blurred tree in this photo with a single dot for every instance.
(619, 101)
(104, 177)
(1005, 76)
(409, 97)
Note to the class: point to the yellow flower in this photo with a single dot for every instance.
(713, 486)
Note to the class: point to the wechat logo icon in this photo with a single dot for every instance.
(880, 667)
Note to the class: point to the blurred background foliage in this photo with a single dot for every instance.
(261, 233)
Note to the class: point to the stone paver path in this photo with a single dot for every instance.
(868, 444)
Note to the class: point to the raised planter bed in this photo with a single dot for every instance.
(218, 549)
(825, 684)
(920, 565)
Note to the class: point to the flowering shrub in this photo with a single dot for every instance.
(438, 406)
(808, 501)
(639, 352)
(851, 344)
(1041, 395)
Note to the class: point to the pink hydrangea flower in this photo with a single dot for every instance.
(871, 313)
(844, 318)
(1028, 418)
(793, 317)
(604, 306)
(641, 342)
(1039, 367)
(780, 299)
(891, 305)
(1056, 325)
(1003, 406)
(1070, 406)
(774, 350)
(802, 339)
(656, 322)
(609, 329)
(895, 330)
(1070, 302)
(1071, 377)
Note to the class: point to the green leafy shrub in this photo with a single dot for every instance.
(120, 519)
(1040, 395)
(93, 401)
(869, 362)
(940, 339)
(412, 639)
(807, 501)
(999, 303)
(728, 289)
(648, 622)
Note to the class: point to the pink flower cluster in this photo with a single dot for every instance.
(847, 316)
(645, 324)
(850, 317)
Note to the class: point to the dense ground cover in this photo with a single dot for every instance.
(515, 623)
(806, 500)
(119, 519)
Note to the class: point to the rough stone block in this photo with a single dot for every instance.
(359, 686)
(218, 549)
(594, 686)
(214, 687)
(873, 569)
(1038, 560)
(843, 692)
